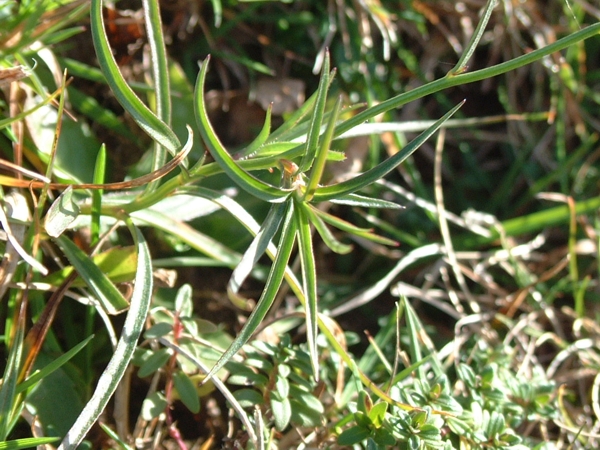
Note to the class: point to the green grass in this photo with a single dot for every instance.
(436, 290)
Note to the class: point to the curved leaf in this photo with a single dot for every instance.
(132, 329)
(144, 117)
(245, 180)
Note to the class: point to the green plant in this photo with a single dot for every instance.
(476, 404)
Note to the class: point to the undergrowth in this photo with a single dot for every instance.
(197, 256)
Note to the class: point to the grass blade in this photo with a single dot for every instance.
(38, 375)
(8, 394)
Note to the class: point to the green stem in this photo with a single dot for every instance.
(465, 78)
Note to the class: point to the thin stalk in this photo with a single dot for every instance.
(465, 78)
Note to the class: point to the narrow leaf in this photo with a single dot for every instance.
(8, 395)
(132, 329)
(312, 140)
(256, 249)
(99, 177)
(379, 171)
(365, 202)
(328, 238)
(272, 286)
(18, 444)
(105, 291)
(461, 65)
(38, 375)
(348, 227)
(144, 117)
(245, 180)
(260, 139)
(322, 152)
(309, 281)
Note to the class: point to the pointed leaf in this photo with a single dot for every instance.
(9, 383)
(312, 140)
(256, 249)
(144, 117)
(37, 442)
(328, 238)
(132, 329)
(379, 171)
(365, 202)
(309, 282)
(255, 145)
(269, 293)
(54, 365)
(245, 180)
(348, 227)
(322, 152)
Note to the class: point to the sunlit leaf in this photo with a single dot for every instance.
(117, 263)
(372, 175)
(312, 140)
(309, 282)
(144, 117)
(153, 405)
(245, 180)
(270, 290)
(132, 329)
(256, 249)
(282, 412)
